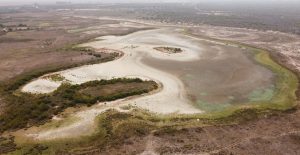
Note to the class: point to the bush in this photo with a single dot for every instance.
(27, 109)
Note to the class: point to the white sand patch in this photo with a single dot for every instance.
(41, 86)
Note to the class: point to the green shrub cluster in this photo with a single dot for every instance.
(28, 109)
(89, 50)
(114, 129)
(73, 94)
(25, 109)
(7, 144)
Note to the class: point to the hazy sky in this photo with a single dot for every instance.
(19, 2)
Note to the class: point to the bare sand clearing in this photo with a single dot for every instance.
(42, 86)
(170, 99)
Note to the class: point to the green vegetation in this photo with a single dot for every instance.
(261, 95)
(89, 50)
(117, 128)
(212, 107)
(73, 47)
(7, 144)
(28, 109)
(114, 128)
(87, 94)
(168, 49)
(286, 84)
(127, 107)
(55, 77)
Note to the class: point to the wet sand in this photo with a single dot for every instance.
(224, 76)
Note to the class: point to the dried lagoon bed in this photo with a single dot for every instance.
(282, 81)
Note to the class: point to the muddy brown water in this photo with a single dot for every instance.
(224, 76)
